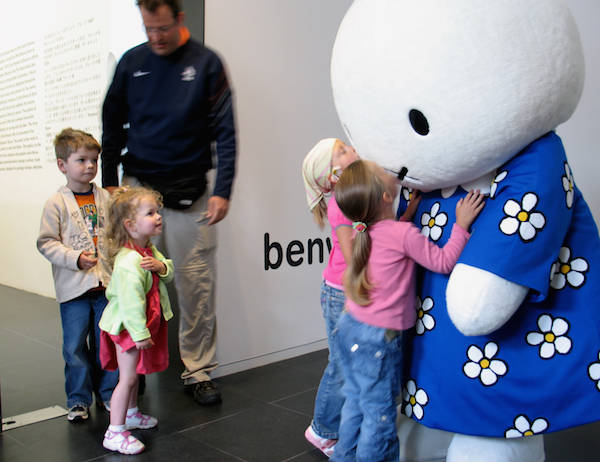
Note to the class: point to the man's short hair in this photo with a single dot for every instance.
(70, 140)
(152, 5)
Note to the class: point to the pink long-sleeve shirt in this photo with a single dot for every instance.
(396, 248)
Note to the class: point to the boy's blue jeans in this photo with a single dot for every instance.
(329, 400)
(83, 373)
(371, 360)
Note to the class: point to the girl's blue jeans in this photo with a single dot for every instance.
(371, 360)
(329, 400)
(81, 346)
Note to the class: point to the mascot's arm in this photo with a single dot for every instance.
(480, 302)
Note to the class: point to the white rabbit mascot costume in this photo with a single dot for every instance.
(460, 94)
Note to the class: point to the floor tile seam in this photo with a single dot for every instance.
(293, 395)
(181, 432)
(216, 448)
(16, 440)
(253, 397)
(298, 455)
(35, 340)
(204, 424)
(291, 410)
(97, 457)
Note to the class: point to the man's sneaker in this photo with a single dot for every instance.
(141, 421)
(206, 393)
(322, 444)
(103, 405)
(78, 413)
(124, 442)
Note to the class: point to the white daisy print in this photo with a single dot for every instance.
(415, 399)
(482, 364)
(522, 218)
(425, 321)
(566, 271)
(524, 427)
(551, 336)
(568, 185)
(495, 182)
(407, 193)
(594, 372)
(433, 222)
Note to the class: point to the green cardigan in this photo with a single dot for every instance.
(126, 294)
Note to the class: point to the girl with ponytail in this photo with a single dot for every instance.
(379, 283)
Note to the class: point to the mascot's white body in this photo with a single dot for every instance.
(461, 94)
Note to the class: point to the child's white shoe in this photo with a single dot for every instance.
(140, 421)
(123, 442)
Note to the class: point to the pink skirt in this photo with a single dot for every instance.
(153, 359)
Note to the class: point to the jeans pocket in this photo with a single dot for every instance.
(369, 360)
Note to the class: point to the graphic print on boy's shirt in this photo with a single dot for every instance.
(89, 212)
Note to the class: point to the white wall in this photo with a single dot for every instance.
(277, 54)
(93, 33)
(579, 133)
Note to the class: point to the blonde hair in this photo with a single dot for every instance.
(70, 140)
(122, 206)
(358, 194)
(320, 212)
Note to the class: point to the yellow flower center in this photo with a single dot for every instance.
(412, 401)
(549, 337)
(420, 314)
(564, 269)
(528, 433)
(431, 223)
(484, 363)
(523, 216)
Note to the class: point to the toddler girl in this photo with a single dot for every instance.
(320, 170)
(134, 329)
(380, 287)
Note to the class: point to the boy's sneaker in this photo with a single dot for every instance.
(322, 444)
(123, 442)
(140, 421)
(78, 413)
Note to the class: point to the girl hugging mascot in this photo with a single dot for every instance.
(466, 94)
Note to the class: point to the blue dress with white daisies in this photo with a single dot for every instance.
(540, 372)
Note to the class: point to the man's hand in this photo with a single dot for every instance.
(111, 189)
(217, 209)
(86, 260)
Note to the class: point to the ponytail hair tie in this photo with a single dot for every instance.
(359, 226)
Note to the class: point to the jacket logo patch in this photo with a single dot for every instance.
(140, 73)
(188, 74)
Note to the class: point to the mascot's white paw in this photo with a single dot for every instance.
(465, 448)
(479, 302)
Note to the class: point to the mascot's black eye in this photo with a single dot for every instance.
(419, 122)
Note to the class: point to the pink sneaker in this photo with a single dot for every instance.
(322, 444)
(141, 421)
(123, 442)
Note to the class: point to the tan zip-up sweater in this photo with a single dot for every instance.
(64, 235)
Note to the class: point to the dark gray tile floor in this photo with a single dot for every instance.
(262, 418)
